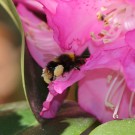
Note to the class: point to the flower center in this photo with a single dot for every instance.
(118, 18)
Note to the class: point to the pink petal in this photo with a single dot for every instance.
(68, 79)
(52, 105)
(130, 2)
(129, 62)
(129, 69)
(72, 22)
(51, 5)
(107, 58)
(57, 93)
(39, 37)
(31, 4)
(130, 38)
(92, 91)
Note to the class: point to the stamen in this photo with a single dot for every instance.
(115, 84)
(117, 18)
(107, 98)
(109, 78)
(115, 114)
(131, 105)
(100, 16)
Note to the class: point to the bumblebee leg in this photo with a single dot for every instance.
(76, 67)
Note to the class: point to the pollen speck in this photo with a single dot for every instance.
(58, 70)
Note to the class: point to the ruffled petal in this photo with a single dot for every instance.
(65, 81)
(39, 37)
(92, 94)
(57, 92)
(72, 33)
(52, 105)
(72, 22)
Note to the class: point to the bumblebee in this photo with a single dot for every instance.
(60, 65)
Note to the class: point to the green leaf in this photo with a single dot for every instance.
(77, 125)
(116, 127)
(69, 126)
(15, 117)
(9, 7)
(71, 120)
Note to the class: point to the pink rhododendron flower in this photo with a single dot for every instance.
(71, 21)
(106, 80)
(79, 21)
(106, 84)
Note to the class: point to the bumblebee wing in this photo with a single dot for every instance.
(39, 37)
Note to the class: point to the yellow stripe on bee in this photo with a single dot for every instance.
(72, 56)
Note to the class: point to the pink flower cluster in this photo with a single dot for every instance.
(106, 82)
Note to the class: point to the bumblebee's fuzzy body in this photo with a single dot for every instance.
(60, 65)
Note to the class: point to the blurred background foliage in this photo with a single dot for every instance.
(10, 55)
